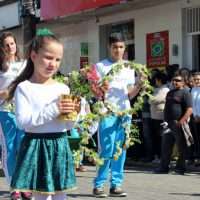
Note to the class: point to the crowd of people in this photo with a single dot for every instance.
(36, 156)
(173, 126)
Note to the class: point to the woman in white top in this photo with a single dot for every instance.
(11, 66)
(157, 104)
(45, 165)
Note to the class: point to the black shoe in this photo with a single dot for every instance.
(117, 192)
(190, 162)
(161, 171)
(99, 193)
(146, 159)
(179, 171)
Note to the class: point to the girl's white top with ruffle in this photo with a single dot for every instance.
(36, 107)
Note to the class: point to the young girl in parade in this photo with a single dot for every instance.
(45, 165)
(11, 65)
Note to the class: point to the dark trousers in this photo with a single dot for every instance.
(147, 137)
(168, 140)
(156, 136)
(196, 136)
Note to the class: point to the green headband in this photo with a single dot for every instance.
(44, 32)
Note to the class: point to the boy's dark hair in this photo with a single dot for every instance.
(117, 37)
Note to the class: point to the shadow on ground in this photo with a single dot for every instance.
(186, 194)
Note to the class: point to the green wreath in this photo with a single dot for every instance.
(80, 85)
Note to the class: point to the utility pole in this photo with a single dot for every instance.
(29, 20)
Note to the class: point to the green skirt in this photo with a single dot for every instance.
(44, 164)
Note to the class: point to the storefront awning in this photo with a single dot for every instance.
(51, 9)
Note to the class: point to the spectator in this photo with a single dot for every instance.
(157, 104)
(177, 111)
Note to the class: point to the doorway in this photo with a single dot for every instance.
(196, 52)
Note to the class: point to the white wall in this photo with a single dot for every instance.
(9, 16)
(152, 19)
(160, 18)
(72, 35)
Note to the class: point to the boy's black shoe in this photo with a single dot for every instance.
(99, 193)
(179, 171)
(117, 192)
(161, 170)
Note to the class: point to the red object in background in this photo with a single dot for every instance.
(84, 61)
(157, 49)
(55, 8)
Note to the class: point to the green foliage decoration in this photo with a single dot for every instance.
(79, 85)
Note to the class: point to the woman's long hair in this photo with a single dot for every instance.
(37, 43)
(3, 58)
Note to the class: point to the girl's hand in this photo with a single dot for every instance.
(3, 94)
(66, 106)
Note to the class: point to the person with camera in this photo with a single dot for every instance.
(177, 111)
(157, 104)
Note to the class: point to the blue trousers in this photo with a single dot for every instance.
(110, 132)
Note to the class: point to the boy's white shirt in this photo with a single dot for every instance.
(117, 94)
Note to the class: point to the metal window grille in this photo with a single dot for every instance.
(192, 20)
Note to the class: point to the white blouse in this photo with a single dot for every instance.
(36, 107)
(6, 78)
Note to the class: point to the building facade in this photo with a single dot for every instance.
(171, 29)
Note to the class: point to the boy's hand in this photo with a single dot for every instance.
(105, 86)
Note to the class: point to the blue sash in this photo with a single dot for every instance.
(10, 138)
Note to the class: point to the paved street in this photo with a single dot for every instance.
(140, 183)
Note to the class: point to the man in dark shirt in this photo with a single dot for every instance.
(178, 108)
